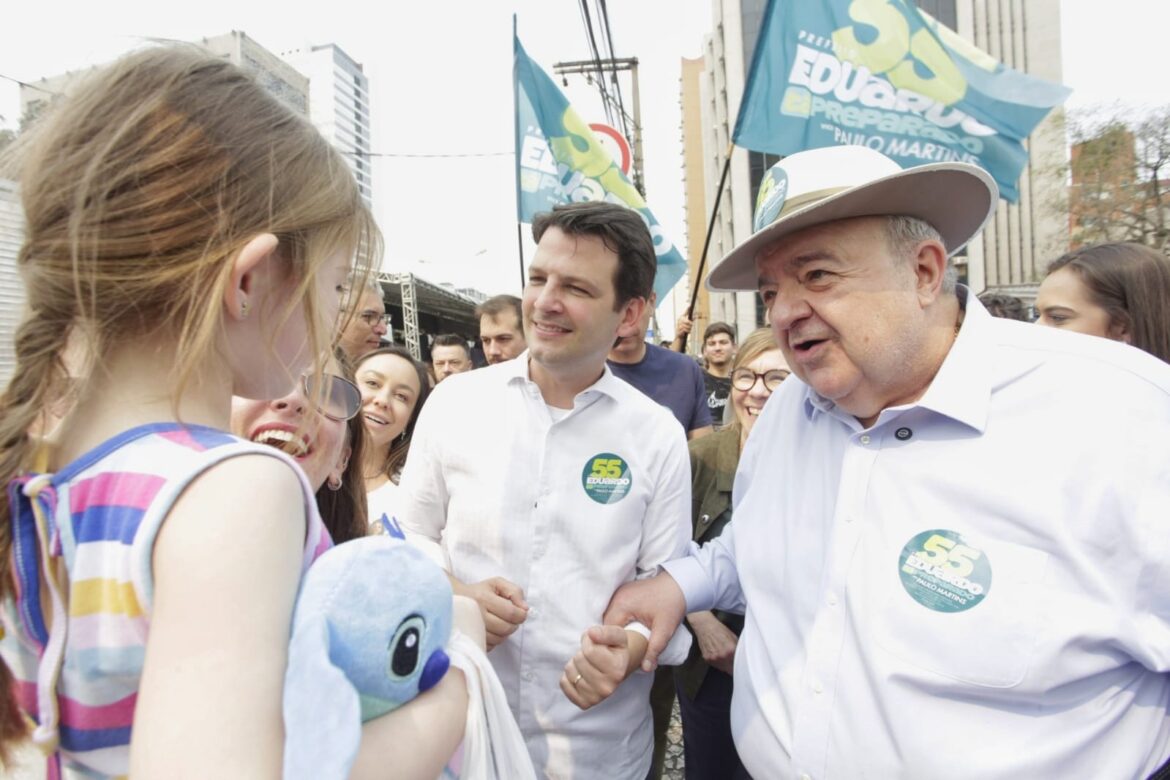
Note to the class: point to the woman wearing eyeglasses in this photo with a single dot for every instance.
(324, 435)
(393, 388)
(703, 682)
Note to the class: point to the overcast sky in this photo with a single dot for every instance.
(440, 75)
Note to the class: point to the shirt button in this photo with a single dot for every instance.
(848, 518)
(902, 434)
(805, 776)
(832, 600)
(818, 688)
(864, 439)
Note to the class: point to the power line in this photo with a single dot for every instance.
(617, 87)
(592, 41)
(411, 155)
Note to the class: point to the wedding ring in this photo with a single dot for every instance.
(577, 680)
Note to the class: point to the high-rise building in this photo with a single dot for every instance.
(320, 82)
(274, 74)
(1010, 255)
(339, 105)
(1013, 251)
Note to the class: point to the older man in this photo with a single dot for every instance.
(949, 536)
(572, 483)
(450, 355)
(364, 330)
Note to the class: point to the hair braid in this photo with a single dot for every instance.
(40, 342)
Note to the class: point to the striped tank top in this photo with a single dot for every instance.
(97, 520)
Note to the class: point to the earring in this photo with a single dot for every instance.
(244, 309)
(402, 436)
(334, 483)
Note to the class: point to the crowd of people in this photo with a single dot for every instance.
(899, 532)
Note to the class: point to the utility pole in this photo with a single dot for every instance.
(598, 69)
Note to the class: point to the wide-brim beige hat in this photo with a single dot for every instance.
(839, 182)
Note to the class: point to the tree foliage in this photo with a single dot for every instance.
(1120, 178)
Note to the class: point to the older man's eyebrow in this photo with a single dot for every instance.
(801, 260)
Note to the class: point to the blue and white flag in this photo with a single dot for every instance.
(882, 74)
(560, 160)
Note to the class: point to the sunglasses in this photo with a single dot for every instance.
(745, 379)
(338, 400)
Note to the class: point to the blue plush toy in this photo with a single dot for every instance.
(371, 621)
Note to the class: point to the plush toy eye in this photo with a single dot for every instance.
(406, 645)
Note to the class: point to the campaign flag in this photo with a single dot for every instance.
(560, 160)
(883, 74)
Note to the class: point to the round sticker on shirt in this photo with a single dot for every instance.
(941, 572)
(606, 478)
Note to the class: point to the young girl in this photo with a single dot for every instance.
(188, 234)
(393, 387)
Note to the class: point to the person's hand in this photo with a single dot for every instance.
(502, 604)
(684, 324)
(657, 602)
(716, 641)
(601, 665)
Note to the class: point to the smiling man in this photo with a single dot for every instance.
(570, 484)
(718, 352)
(948, 532)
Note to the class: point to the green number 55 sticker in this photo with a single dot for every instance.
(942, 572)
(606, 478)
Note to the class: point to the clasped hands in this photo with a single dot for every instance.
(607, 656)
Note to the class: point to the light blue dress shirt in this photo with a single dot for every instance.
(977, 586)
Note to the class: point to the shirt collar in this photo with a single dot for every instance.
(962, 387)
(607, 383)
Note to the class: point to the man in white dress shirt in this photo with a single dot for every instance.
(950, 538)
(570, 484)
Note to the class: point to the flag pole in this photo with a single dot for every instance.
(516, 134)
(706, 244)
(520, 247)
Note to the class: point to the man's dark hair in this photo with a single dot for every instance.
(719, 327)
(1008, 307)
(451, 340)
(496, 305)
(622, 231)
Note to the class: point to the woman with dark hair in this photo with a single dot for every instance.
(1117, 291)
(393, 388)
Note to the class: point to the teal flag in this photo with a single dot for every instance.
(560, 160)
(883, 74)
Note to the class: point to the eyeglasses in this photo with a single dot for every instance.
(339, 400)
(372, 318)
(745, 379)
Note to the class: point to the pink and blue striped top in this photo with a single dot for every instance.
(98, 518)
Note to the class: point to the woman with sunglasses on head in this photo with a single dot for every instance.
(393, 388)
(703, 681)
(320, 428)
